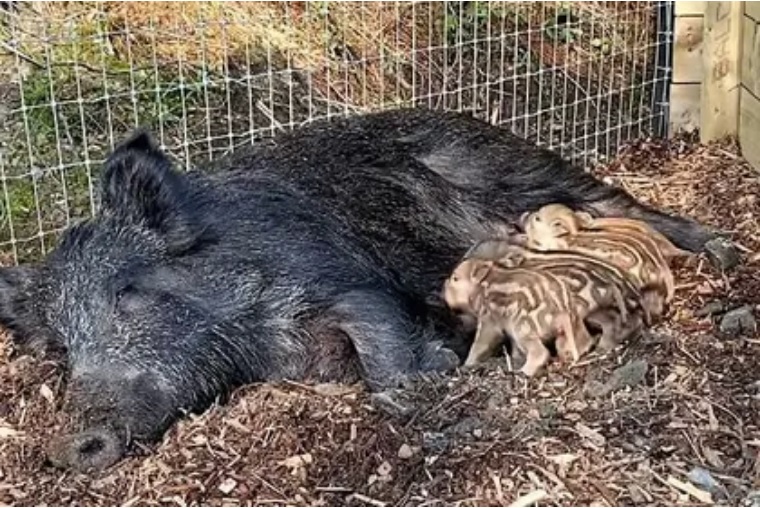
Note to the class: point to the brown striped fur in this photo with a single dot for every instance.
(620, 314)
(580, 220)
(533, 305)
(633, 251)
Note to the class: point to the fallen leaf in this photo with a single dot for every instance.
(713, 458)
(297, 461)
(47, 393)
(384, 469)
(594, 437)
(563, 459)
(227, 486)
(529, 499)
(333, 389)
(698, 494)
(406, 451)
(9, 432)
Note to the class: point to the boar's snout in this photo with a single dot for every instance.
(89, 450)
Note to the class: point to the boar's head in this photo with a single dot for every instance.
(122, 297)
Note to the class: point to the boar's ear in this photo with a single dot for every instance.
(15, 283)
(140, 185)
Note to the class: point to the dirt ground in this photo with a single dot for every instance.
(671, 419)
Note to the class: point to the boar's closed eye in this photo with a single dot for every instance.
(128, 298)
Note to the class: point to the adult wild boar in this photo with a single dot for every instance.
(319, 255)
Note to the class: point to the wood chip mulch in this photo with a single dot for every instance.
(671, 419)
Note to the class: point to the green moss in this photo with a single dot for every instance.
(19, 209)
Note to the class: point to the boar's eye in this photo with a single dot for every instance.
(124, 290)
(128, 297)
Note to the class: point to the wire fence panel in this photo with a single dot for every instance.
(208, 77)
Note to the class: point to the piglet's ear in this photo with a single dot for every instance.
(480, 271)
(524, 219)
(561, 228)
(585, 219)
(15, 285)
(140, 185)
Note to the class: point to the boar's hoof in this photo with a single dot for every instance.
(91, 450)
(722, 253)
(438, 358)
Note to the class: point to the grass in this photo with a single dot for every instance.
(207, 77)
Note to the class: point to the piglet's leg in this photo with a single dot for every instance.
(573, 339)
(614, 332)
(487, 338)
(653, 304)
(536, 353)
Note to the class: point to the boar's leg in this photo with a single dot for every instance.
(573, 339)
(390, 347)
(573, 187)
(685, 233)
(511, 175)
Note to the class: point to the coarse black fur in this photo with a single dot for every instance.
(420, 186)
(316, 257)
(184, 287)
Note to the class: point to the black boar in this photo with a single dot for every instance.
(320, 255)
(183, 287)
(421, 186)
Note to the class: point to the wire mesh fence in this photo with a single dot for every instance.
(206, 78)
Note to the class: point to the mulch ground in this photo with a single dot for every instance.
(669, 419)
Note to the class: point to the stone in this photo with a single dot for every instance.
(395, 403)
(753, 499)
(722, 253)
(406, 452)
(630, 374)
(703, 479)
(435, 442)
(711, 309)
(465, 427)
(737, 322)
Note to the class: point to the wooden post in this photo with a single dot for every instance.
(686, 88)
(721, 59)
(749, 126)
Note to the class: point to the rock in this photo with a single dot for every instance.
(630, 374)
(227, 486)
(711, 309)
(394, 402)
(334, 389)
(465, 427)
(722, 253)
(703, 479)
(740, 321)
(406, 451)
(752, 499)
(435, 442)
